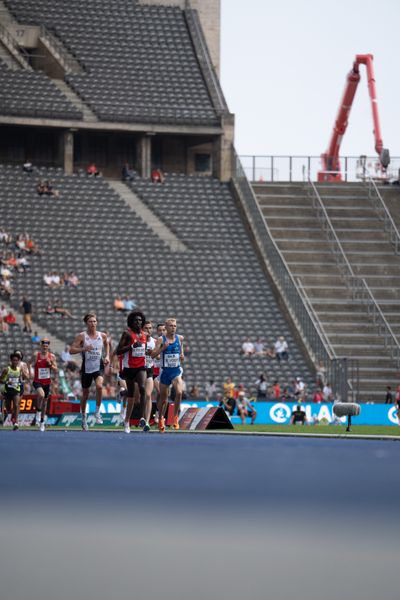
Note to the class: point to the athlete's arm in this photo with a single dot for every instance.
(107, 349)
(77, 345)
(182, 354)
(124, 344)
(159, 347)
(53, 363)
(3, 375)
(25, 370)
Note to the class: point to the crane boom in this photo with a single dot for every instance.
(330, 159)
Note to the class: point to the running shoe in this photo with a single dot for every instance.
(98, 419)
(146, 426)
(127, 428)
(175, 423)
(161, 424)
(16, 427)
(42, 427)
(142, 422)
(84, 423)
(38, 417)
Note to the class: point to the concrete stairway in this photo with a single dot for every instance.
(293, 223)
(88, 114)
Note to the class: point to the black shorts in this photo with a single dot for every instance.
(130, 376)
(10, 394)
(87, 378)
(45, 388)
(150, 374)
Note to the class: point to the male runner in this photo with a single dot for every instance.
(150, 345)
(117, 369)
(11, 378)
(43, 363)
(133, 346)
(170, 346)
(91, 343)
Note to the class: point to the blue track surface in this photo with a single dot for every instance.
(204, 469)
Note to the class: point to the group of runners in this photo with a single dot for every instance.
(140, 362)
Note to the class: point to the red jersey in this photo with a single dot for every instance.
(42, 368)
(135, 358)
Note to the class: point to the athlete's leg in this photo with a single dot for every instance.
(44, 404)
(178, 385)
(16, 400)
(39, 404)
(162, 405)
(99, 397)
(149, 391)
(141, 377)
(130, 383)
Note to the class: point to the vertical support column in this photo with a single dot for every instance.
(223, 149)
(69, 152)
(144, 156)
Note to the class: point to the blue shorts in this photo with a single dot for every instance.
(168, 374)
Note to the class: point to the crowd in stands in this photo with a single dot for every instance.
(278, 350)
(124, 304)
(14, 253)
(46, 188)
(56, 280)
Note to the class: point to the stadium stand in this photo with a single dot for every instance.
(140, 62)
(217, 288)
(33, 94)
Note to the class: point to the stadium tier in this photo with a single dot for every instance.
(216, 288)
(139, 61)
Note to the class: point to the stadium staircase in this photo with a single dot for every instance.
(292, 220)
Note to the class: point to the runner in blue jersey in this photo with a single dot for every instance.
(170, 348)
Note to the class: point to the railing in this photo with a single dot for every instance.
(205, 61)
(337, 369)
(384, 214)
(271, 168)
(70, 64)
(20, 54)
(358, 285)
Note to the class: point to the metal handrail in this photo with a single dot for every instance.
(337, 368)
(383, 212)
(206, 64)
(358, 285)
(71, 64)
(22, 54)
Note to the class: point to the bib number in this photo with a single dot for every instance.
(171, 360)
(138, 351)
(44, 373)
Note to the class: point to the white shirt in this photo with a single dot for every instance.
(281, 346)
(93, 357)
(248, 347)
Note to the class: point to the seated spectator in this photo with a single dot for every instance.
(50, 190)
(27, 167)
(247, 347)
(211, 390)
(157, 176)
(129, 304)
(128, 174)
(318, 396)
(5, 273)
(11, 319)
(72, 279)
(270, 352)
(41, 188)
(276, 389)
(92, 170)
(22, 263)
(5, 287)
(262, 387)
(47, 277)
(35, 339)
(259, 347)
(3, 323)
(119, 304)
(299, 387)
(321, 375)
(298, 416)
(281, 349)
(61, 310)
(245, 408)
(327, 392)
(32, 246)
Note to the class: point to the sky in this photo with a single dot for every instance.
(283, 70)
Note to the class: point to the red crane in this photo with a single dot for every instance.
(330, 159)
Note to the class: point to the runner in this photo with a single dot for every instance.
(43, 363)
(170, 346)
(157, 369)
(11, 378)
(151, 344)
(133, 346)
(117, 369)
(90, 344)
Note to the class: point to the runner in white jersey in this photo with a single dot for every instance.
(157, 368)
(151, 344)
(91, 344)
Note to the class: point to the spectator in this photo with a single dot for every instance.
(281, 349)
(3, 323)
(41, 188)
(298, 416)
(194, 392)
(321, 375)
(318, 396)
(299, 387)
(119, 304)
(72, 279)
(262, 387)
(50, 190)
(129, 304)
(5, 287)
(228, 401)
(389, 395)
(26, 306)
(276, 388)
(11, 319)
(157, 176)
(27, 167)
(57, 308)
(259, 347)
(245, 408)
(327, 392)
(211, 390)
(127, 174)
(92, 170)
(35, 339)
(247, 347)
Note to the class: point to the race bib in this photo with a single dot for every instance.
(44, 373)
(138, 351)
(13, 382)
(149, 362)
(171, 360)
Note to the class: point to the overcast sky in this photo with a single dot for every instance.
(283, 70)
